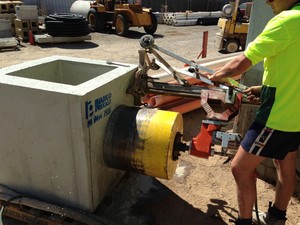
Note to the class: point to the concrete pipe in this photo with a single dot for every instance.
(80, 7)
(144, 140)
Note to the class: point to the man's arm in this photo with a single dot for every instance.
(236, 66)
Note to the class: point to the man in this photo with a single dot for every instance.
(275, 132)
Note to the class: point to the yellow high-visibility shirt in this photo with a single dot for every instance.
(279, 47)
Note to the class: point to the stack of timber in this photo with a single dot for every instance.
(8, 44)
(48, 39)
(189, 18)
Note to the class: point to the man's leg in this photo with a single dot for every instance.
(243, 168)
(286, 174)
(286, 180)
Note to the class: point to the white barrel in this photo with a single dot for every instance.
(80, 7)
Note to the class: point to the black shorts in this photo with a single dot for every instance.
(263, 141)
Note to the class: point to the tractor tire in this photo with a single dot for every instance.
(231, 46)
(151, 29)
(96, 20)
(121, 25)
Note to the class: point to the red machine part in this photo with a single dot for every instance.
(201, 144)
(230, 109)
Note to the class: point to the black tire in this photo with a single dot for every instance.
(66, 25)
(61, 29)
(96, 20)
(151, 29)
(121, 25)
(67, 17)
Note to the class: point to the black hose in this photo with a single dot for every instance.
(256, 212)
(256, 205)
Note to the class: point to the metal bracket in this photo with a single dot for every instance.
(227, 137)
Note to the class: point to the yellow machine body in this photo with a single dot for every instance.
(227, 27)
(145, 141)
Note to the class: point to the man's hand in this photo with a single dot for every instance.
(235, 67)
(220, 76)
(253, 94)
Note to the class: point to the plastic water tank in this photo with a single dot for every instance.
(80, 8)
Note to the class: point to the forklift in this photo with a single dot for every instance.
(233, 28)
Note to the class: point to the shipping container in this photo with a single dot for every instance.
(47, 7)
(184, 5)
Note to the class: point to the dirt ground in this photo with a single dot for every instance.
(202, 190)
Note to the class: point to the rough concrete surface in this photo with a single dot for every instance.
(202, 190)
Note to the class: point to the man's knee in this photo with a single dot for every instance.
(242, 173)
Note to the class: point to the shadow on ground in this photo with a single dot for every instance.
(137, 33)
(143, 200)
(70, 45)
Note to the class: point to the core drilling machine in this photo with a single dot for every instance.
(227, 96)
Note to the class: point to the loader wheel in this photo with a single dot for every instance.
(122, 25)
(96, 20)
(151, 29)
(231, 46)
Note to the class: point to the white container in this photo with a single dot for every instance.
(27, 12)
(53, 116)
(81, 8)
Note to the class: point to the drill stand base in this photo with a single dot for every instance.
(201, 145)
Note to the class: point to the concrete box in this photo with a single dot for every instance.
(26, 25)
(53, 116)
(5, 28)
(27, 12)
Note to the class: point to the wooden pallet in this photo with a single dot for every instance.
(34, 211)
(8, 44)
(46, 38)
(30, 215)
